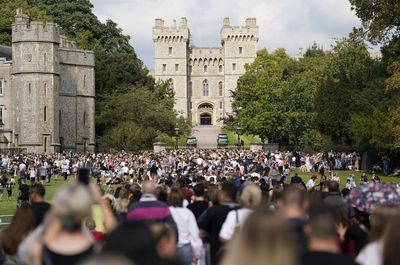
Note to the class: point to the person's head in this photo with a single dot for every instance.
(391, 242)
(71, 205)
(251, 196)
(175, 198)
(141, 251)
(321, 225)
(165, 238)
(265, 236)
(227, 192)
(380, 218)
(333, 186)
(198, 190)
(295, 202)
(37, 192)
(148, 187)
(21, 224)
(90, 223)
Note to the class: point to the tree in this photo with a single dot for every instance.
(271, 99)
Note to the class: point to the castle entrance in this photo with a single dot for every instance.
(205, 119)
(205, 112)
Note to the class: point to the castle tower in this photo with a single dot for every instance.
(240, 46)
(36, 83)
(171, 52)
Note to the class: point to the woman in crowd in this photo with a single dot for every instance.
(189, 242)
(265, 238)
(250, 199)
(391, 242)
(381, 217)
(21, 225)
(65, 241)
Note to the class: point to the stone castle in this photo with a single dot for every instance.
(47, 93)
(203, 78)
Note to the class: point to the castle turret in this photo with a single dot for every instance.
(171, 51)
(36, 80)
(240, 46)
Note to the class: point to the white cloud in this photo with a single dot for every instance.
(289, 24)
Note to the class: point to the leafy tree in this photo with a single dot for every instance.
(271, 99)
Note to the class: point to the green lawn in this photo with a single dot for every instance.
(247, 139)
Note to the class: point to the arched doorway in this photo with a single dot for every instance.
(205, 119)
(205, 112)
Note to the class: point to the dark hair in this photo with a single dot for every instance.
(322, 223)
(38, 189)
(142, 250)
(22, 223)
(198, 190)
(294, 196)
(175, 198)
(229, 189)
(333, 186)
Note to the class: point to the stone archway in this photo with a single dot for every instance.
(205, 114)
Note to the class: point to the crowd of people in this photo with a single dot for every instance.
(203, 207)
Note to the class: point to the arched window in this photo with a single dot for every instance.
(220, 89)
(220, 68)
(205, 88)
(205, 68)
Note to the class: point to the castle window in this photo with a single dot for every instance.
(1, 86)
(170, 51)
(190, 68)
(190, 90)
(205, 68)
(29, 89)
(190, 105)
(1, 115)
(233, 67)
(205, 88)
(164, 67)
(84, 81)
(240, 50)
(220, 68)
(84, 118)
(220, 104)
(45, 113)
(220, 89)
(176, 67)
(59, 119)
(171, 85)
(44, 58)
(45, 89)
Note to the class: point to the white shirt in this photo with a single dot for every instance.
(371, 254)
(230, 224)
(188, 231)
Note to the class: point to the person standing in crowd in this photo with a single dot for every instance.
(150, 209)
(294, 207)
(22, 223)
(199, 204)
(9, 190)
(213, 219)
(42, 173)
(250, 199)
(265, 238)
(189, 243)
(297, 180)
(39, 206)
(322, 240)
(32, 174)
(333, 198)
(64, 241)
(23, 192)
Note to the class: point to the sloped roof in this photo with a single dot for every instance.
(5, 52)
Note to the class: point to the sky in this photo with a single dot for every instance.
(289, 24)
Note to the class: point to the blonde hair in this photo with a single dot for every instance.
(265, 238)
(251, 196)
(72, 204)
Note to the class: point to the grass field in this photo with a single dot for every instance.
(8, 207)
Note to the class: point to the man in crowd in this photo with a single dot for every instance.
(214, 217)
(148, 208)
(39, 206)
(322, 237)
(199, 205)
(334, 198)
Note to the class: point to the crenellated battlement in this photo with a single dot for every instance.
(65, 43)
(24, 30)
(206, 55)
(161, 33)
(248, 32)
